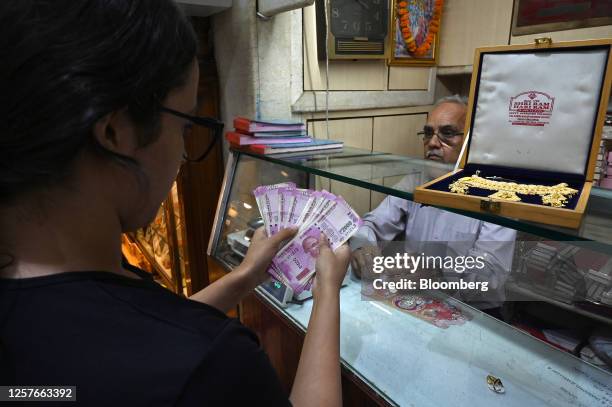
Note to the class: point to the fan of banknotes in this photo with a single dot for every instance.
(282, 206)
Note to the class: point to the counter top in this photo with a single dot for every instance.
(414, 363)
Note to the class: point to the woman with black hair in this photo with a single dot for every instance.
(94, 98)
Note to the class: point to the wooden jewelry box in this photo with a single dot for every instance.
(534, 121)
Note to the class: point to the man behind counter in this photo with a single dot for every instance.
(424, 229)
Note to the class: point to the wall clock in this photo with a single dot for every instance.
(358, 29)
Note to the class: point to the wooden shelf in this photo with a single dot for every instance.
(455, 70)
(569, 307)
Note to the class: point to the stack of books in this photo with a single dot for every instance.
(549, 268)
(275, 137)
(606, 173)
(598, 282)
(603, 171)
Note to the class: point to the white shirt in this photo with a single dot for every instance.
(425, 229)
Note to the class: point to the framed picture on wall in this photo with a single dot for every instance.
(540, 16)
(415, 26)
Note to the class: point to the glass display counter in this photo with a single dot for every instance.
(163, 247)
(404, 359)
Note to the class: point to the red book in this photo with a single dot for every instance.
(253, 126)
(313, 145)
(273, 134)
(240, 139)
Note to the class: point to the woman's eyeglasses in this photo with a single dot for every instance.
(446, 134)
(210, 123)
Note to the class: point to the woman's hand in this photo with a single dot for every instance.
(226, 292)
(362, 261)
(317, 380)
(261, 252)
(331, 267)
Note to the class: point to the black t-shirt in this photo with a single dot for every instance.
(130, 342)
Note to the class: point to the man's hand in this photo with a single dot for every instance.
(261, 252)
(331, 267)
(362, 260)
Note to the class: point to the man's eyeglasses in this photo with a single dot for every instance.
(446, 134)
(210, 123)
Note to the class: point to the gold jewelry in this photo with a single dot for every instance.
(495, 384)
(507, 195)
(555, 196)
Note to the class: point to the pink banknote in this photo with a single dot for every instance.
(298, 200)
(284, 205)
(285, 195)
(296, 260)
(266, 197)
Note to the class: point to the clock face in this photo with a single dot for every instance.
(359, 18)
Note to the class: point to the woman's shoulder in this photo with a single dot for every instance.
(236, 371)
(126, 334)
(105, 297)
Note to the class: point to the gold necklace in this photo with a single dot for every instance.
(556, 195)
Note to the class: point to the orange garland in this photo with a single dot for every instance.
(434, 27)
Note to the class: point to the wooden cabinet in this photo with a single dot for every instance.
(468, 24)
(395, 134)
(160, 247)
(354, 132)
(283, 342)
(398, 134)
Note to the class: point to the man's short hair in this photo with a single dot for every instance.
(461, 100)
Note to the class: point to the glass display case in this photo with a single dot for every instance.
(404, 358)
(162, 245)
